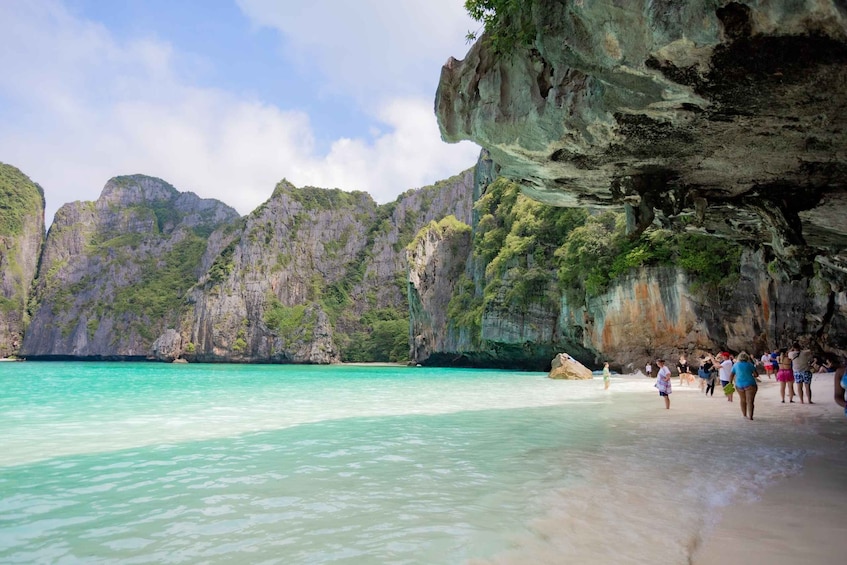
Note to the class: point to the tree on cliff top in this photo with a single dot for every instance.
(19, 197)
(506, 23)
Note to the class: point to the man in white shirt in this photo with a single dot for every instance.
(725, 371)
(766, 361)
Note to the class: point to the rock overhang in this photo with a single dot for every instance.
(726, 119)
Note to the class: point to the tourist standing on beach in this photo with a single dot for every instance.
(706, 372)
(725, 370)
(711, 381)
(684, 370)
(767, 363)
(785, 376)
(649, 369)
(744, 375)
(663, 382)
(801, 362)
(607, 376)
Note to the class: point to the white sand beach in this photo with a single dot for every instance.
(700, 484)
(802, 518)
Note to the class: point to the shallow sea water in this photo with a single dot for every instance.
(156, 463)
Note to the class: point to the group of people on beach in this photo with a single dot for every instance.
(742, 374)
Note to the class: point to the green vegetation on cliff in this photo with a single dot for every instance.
(599, 252)
(21, 214)
(532, 253)
(312, 198)
(19, 198)
(385, 338)
(506, 23)
(517, 239)
(445, 227)
(159, 292)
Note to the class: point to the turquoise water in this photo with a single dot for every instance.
(157, 463)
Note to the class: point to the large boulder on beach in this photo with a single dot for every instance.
(167, 346)
(566, 367)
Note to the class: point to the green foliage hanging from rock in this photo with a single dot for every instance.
(599, 252)
(506, 23)
(19, 198)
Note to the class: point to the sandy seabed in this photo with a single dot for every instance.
(801, 519)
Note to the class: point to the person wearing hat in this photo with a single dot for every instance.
(725, 370)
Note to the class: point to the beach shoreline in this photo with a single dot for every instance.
(799, 518)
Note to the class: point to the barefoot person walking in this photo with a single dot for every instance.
(785, 375)
(744, 374)
(663, 382)
(725, 369)
(801, 361)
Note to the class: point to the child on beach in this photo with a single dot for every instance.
(663, 382)
(607, 376)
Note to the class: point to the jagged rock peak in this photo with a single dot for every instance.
(136, 189)
(172, 206)
(325, 197)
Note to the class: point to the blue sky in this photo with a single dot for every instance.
(226, 97)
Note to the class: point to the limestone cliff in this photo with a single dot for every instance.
(311, 276)
(478, 303)
(113, 272)
(482, 296)
(310, 273)
(723, 118)
(261, 300)
(21, 237)
(437, 259)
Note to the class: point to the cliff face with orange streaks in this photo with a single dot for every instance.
(647, 313)
(724, 119)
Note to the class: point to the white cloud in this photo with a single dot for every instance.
(398, 160)
(84, 105)
(369, 47)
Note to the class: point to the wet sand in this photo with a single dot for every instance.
(802, 518)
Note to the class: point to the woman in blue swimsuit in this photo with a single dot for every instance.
(744, 375)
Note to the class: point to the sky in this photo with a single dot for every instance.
(225, 98)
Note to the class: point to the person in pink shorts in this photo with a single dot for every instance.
(785, 375)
